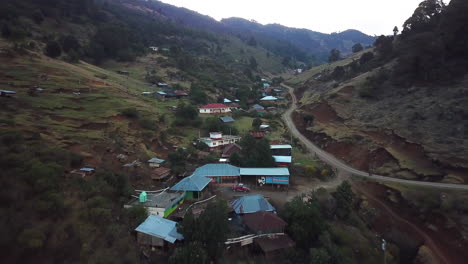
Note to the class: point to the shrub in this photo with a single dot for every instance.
(53, 49)
(148, 124)
(130, 113)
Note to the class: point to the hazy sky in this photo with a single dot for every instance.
(370, 16)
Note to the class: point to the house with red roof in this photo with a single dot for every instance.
(215, 109)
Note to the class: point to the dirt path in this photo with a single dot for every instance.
(344, 168)
(442, 256)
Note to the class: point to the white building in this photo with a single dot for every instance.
(217, 139)
(215, 109)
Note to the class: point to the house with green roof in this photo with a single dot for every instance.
(193, 186)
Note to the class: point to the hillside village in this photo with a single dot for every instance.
(134, 131)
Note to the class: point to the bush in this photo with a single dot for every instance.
(148, 124)
(53, 49)
(131, 113)
(38, 17)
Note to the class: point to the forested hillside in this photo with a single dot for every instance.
(72, 109)
(296, 47)
(400, 107)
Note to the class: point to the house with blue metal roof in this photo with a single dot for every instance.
(157, 231)
(192, 185)
(219, 173)
(251, 204)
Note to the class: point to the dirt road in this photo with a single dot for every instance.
(345, 170)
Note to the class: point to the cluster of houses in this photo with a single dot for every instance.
(253, 214)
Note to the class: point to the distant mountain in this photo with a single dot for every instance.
(300, 45)
(316, 43)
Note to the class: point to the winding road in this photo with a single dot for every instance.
(344, 169)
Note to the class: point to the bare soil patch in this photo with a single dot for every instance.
(442, 240)
(94, 126)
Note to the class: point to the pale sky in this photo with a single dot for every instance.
(373, 17)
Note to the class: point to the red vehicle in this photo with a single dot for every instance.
(240, 188)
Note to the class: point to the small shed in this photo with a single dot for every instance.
(227, 101)
(227, 119)
(123, 72)
(7, 93)
(87, 171)
(257, 106)
(157, 232)
(257, 134)
(269, 99)
(231, 149)
(160, 173)
(162, 84)
(155, 162)
(264, 127)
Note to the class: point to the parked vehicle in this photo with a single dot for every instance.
(240, 188)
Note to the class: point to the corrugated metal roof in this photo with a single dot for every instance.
(160, 227)
(87, 169)
(269, 98)
(227, 119)
(251, 204)
(280, 146)
(156, 160)
(264, 221)
(192, 183)
(283, 159)
(257, 106)
(264, 171)
(214, 170)
(214, 106)
(227, 100)
(160, 200)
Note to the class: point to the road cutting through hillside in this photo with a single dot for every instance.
(346, 169)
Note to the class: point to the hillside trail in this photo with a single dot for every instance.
(402, 222)
(344, 172)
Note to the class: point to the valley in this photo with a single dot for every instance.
(136, 131)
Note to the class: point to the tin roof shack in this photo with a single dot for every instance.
(156, 231)
(231, 149)
(227, 119)
(193, 186)
(160, 204)
(160, 173)
(7, 93)
(251, 204)
(123, 72)
(257, 134)
(263, 222)
(155, 162)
